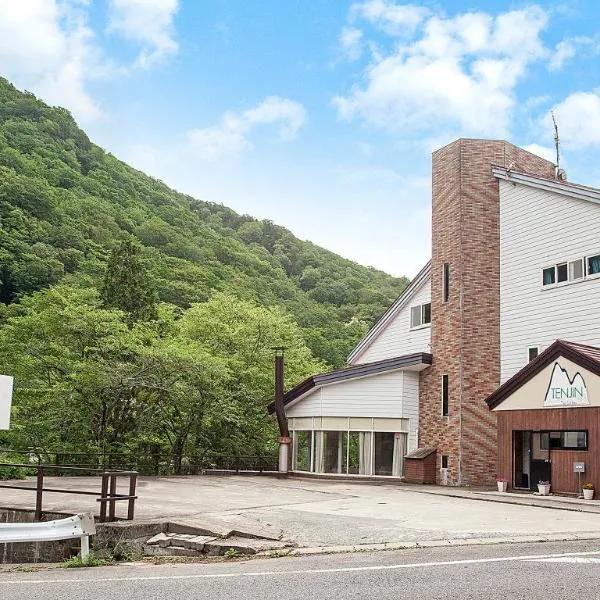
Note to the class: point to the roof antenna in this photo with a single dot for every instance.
(559, 173)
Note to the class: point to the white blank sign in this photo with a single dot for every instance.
(6, 387)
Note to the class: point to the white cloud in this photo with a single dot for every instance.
(149, 23)
(564, 51)
(571, 47)
(460, 71)
(578, 118)
(231, 136)
(543, 151)
(351, 42)
(47, 47)
(388, 16)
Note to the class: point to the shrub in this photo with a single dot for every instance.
(15, 472)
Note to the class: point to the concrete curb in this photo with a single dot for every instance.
(523, 539)
(554, 504)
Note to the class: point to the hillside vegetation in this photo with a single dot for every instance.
(65, 205)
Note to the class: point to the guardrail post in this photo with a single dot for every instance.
(131, 503)
(112, 502)
(39, 492)
(85, 548)
(103, 494)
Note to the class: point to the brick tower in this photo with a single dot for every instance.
(465, 329)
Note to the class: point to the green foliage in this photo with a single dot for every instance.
(75, 562)
(14, 472)
(65, 205)
(232, 553)
(126, 285)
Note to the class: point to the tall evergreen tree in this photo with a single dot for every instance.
(126, 284)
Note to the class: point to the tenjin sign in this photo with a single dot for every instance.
(564, 390)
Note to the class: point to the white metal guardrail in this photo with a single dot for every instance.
(79, 526)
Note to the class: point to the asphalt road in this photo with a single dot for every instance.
(549, 571)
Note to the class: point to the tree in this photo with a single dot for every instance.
(126, 285)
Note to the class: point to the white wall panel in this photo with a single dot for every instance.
(539, 229)
(397, 339)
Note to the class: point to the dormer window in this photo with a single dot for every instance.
(420, 315)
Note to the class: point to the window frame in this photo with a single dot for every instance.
(445, 395)
(586, 259)
(444, 459)
(585, 271)
(563, 448)
(445, 283)
(421, 323)
(529, 349)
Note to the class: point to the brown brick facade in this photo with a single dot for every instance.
(465, 334)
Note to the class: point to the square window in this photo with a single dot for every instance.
(415, 316)
(549, 276)
(562, 273)
(427, 313)
(576, 269)
(444, 461)
(532, 353)
(593, 264)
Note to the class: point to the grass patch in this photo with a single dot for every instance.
(75, 562)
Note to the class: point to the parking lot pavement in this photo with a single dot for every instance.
(323, 513)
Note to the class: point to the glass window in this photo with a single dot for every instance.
(446, 283)
(415, 316)
(352, 452)
(427, 313)
(549, 276)
(303, 450)
(445, 396)
(562, 273)
(593, 264)
(384, 453)
(333, 461)
(444, 461)
(532, 352)
(563, 440)
(576, 269)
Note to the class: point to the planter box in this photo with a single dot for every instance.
(588, 494)
(502, 485)
(544, 490)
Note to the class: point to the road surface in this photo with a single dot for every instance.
(547, 571)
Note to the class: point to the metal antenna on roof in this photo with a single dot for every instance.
(556, 142)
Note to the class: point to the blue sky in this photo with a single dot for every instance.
(318, 114)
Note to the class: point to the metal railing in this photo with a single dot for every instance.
(161, 463)
(107, 497)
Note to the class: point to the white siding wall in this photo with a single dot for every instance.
(392, 395)
(410, 406)
(538, 229)
(397, 338)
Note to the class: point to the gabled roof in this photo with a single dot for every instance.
(582, 192)
(391, 312)
(587, 357)
(374, 368)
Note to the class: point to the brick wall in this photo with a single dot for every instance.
(465, 339)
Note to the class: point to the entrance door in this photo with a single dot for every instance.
(522, 460)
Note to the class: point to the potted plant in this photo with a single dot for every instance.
(544, 488)
(588, 491)
(502, 483)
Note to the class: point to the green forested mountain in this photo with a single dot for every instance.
(64, 202)
(138, 319)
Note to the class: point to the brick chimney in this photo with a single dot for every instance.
(465, 340)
